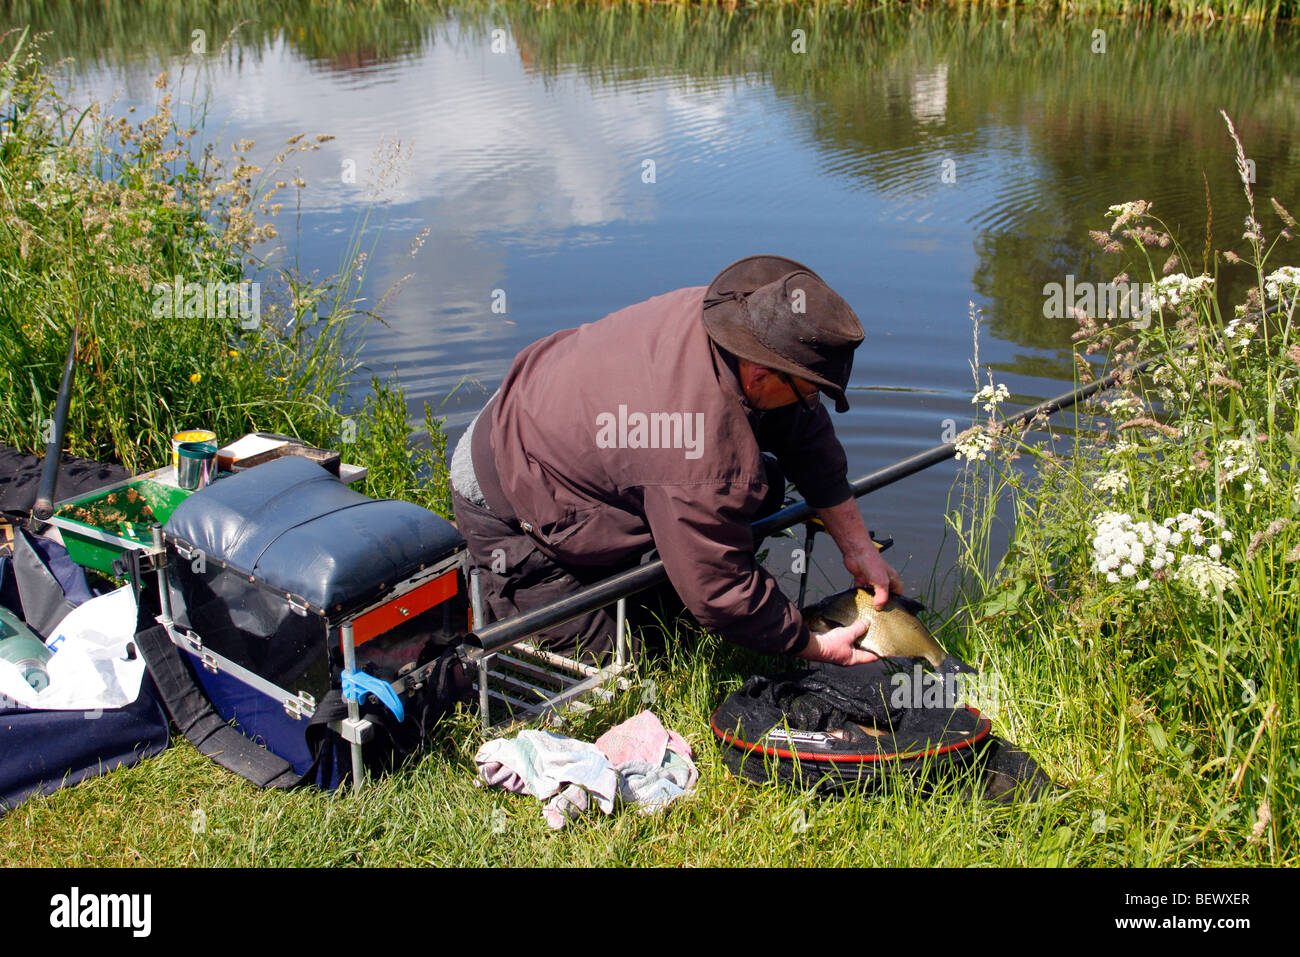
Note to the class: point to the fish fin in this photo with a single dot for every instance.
(909, 605)
(951, 664)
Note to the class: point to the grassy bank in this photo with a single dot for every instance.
(382, 33)
(155, 243)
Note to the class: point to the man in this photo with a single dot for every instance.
(646, 429)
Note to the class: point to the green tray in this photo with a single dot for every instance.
(99, 526)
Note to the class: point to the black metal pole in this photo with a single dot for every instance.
(501, 634)
(44, 506)
(801, 511)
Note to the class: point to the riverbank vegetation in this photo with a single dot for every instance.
(1147, 611)
(317, 23)
(1139, 638)
(155, 246)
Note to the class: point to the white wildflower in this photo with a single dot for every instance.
(1285, 281)
(1206, 576)
(1240, 331)
(1124, 406)
(1175, 289)
(1112, 482)
(975, 446)
(1236, 458)
(1122, 548)
(991, 396)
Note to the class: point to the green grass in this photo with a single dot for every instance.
(181, 809)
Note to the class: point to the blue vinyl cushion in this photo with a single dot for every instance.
(295, 527)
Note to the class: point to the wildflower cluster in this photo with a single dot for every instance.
(1239, 331)
(991, 396)
(975, 445)
(1179, 288)
(1124, 406)
(1124, 549)
(1285, 281)
(1116, 481)
(1238, 458)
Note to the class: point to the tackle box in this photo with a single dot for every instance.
(282, 585)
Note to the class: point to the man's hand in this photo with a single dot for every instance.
(861, 557)
(839, 645)
(868, 568)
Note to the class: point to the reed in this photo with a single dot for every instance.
(1168, 710)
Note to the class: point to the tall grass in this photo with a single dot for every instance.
(1148, 606)
(98, 216)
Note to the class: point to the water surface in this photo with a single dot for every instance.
(521, 136)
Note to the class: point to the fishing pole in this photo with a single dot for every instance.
(506, 632)
(44, 505)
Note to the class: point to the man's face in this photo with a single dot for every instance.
(768, 389)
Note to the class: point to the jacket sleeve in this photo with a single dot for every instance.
(703, 536)
(809, 453)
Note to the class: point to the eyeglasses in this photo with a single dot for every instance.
(807, 401)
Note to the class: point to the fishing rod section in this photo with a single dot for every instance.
(44, 505)
(508, 631)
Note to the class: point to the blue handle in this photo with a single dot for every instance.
(358, 684)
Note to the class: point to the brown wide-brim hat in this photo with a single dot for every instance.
(782, 315)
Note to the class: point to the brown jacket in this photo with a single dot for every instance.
(634, 431)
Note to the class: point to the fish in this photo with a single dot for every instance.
(894, 631)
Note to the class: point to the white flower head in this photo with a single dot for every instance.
(991, 395)
(1174, 289)
(1205, 576)
(1116, 481)
(1283, 282)
(975, 446)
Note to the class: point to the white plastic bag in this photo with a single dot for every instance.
(90, 669)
